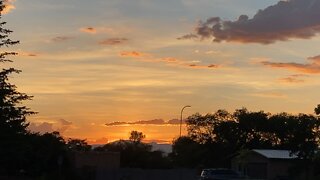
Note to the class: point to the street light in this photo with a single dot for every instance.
(187, 106)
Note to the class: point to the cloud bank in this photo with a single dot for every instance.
(147, 122)
(311, 67)
(281, 22)
(60, 125)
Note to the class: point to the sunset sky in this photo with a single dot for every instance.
(89, 63)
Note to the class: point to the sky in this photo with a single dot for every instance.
(99, 69)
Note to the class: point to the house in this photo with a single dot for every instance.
(265, 164)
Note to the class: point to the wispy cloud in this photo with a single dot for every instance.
(188, 36)
(293, 79)
(61, 38)
(281, 22)
(27, 54)
(8, 6)
(171, 61)
(113, 41)
(134, 54)
(268, 94)
(147, 122)
(90, 30)
(196, 66)
(312, 67)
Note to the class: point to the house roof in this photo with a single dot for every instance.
(275, 154)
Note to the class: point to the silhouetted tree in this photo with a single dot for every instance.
(136, 154)
(12, 113)
(317, 109)
(136, 136)
(78, 145)
(222, 134)
(47, 155)
(188, 153)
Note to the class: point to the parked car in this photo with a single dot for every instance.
(220, 174)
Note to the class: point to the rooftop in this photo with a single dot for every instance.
(275, 154)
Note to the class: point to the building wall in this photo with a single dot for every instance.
(259, 167)
(278, 168)
(251, 164)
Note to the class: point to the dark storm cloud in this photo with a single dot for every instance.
(281, 22)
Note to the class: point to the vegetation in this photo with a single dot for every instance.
(216, 137)
(22, 153)
(212, 138)
(135, 153)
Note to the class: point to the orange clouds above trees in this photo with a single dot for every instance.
(281, 22)
(313, 67)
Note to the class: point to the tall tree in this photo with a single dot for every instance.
(12, 113)
(136, 136)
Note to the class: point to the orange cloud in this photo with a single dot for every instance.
(280, 22)
(147, 122)
(89, 30)
(167, 60)
(113, 41)
(28, 54)
(61, 38)
(170, 60)
(312, 67)
(8, 6)
(292, 79)
(134, 54)
(196, 66)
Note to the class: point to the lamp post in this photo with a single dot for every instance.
(187, 106)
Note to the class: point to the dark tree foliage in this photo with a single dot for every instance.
(186, 147)
(317, 109)
(12, 113)
(223, 134)
(23, 153)
(136, 136)
(46, 155)
(78, 145)
(136, 154)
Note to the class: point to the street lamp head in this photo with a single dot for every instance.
(187, 106)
